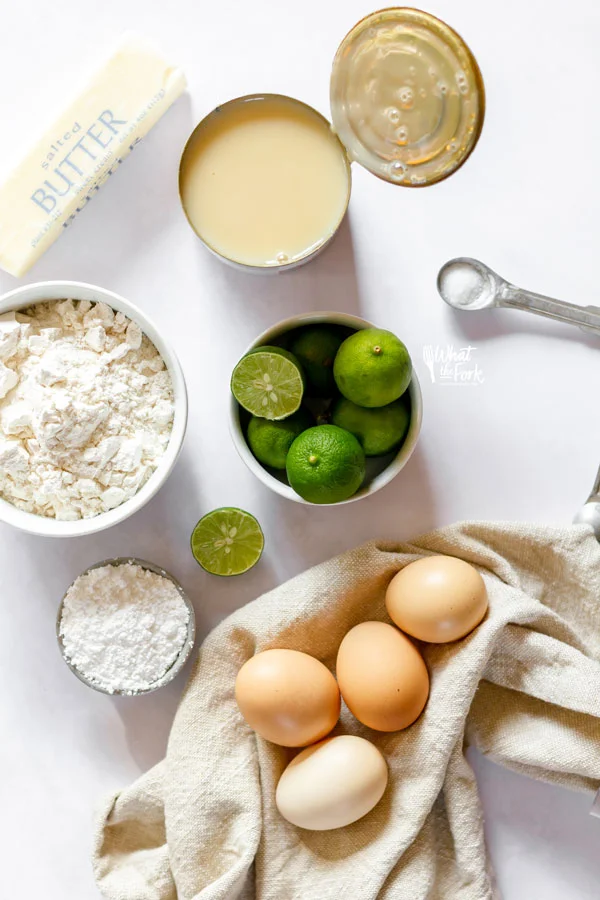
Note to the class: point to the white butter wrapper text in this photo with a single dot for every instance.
(65, 169)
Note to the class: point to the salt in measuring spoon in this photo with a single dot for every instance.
(469, 284)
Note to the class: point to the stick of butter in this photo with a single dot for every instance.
(121, 103)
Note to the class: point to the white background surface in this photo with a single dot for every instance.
(523, 445)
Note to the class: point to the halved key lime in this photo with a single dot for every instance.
(227, 541)
(269, 383)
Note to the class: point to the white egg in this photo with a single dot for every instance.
(332, 783)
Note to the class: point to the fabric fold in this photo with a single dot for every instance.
(524, 688)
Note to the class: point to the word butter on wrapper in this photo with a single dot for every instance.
(121, 103)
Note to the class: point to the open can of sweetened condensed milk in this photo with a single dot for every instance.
(265, 179)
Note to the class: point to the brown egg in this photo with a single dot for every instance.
(382, 676)
(288, 697)
(437, 599)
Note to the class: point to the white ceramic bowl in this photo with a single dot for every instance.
(75, 290)
(380, 470)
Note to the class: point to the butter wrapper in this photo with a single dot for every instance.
(85, 146)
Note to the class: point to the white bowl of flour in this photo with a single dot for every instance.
(93, 409)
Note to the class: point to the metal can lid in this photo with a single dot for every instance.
(407, 97)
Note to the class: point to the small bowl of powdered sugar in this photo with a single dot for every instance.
(125, 627)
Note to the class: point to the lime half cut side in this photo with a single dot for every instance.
(227, 541)
(269, 383)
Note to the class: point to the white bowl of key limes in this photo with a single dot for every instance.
(325, 408)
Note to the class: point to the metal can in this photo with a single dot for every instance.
(407, 103)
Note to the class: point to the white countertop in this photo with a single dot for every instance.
(524, 444)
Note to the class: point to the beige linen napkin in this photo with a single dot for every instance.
(524, 688)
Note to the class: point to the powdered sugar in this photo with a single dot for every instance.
(123, 626)
(86, 409)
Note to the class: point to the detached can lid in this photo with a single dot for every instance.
(407, 97)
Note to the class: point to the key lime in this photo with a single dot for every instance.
(270, 441)
(269, 383)
(315, 346)
(378, 431)
(227, 541)
(372, 368)
(326, 464)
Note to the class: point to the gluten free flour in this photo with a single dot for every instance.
(86, 409)
(123, 626)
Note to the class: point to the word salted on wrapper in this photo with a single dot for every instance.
(61, 174)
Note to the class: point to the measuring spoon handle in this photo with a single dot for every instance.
(595, 493)
(585, 317)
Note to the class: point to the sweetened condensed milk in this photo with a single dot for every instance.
(264, 181)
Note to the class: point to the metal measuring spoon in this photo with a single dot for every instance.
(589, 514)
(469, 284)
